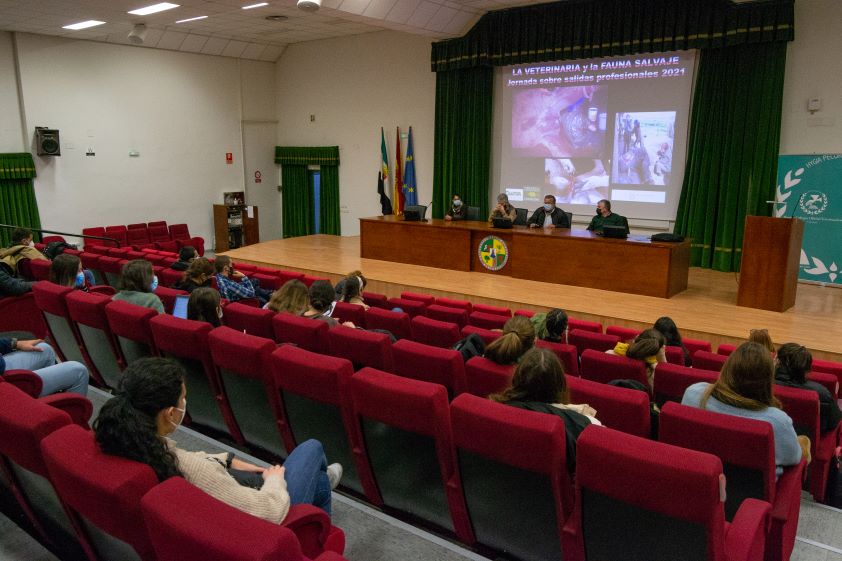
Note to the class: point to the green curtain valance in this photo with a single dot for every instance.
(17, 166)
(307, 155)
(601, 28)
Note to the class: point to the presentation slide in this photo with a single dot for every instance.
(585, 130)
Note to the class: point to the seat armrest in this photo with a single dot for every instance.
(79, 408)
(26, 381)
(745, 538)
(311, 525)
(789, 486)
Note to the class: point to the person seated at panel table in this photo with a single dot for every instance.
(604, 217)
(503, 209)
(457, 209)
(549, 216)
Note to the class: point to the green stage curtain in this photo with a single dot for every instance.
(329, 215)
(298, 202)
(733, 150)
(462, 138)
(18, 206)
(602, 28)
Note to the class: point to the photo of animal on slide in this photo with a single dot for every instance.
(643, 146)
(559, 122)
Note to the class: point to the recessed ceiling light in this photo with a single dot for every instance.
(83, 25)
(153, 9)
(190, 19)
(276, 18)
(255, 5)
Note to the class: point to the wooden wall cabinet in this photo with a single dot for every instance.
(233, 227)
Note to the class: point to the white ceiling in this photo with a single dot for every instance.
(231, 31)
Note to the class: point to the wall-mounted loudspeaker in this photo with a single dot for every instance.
(46, 142)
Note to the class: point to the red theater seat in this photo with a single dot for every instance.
(309, 334)
(435, 333)
(603, 368)
(362, 348)
(565, 353)
(130, 325)
(584, 340)
(430, 364)
(671, 380)
(709, 361)
(592, 326)
(484, 377)
(248, 319)
(624, 333)
(412, 307)
(396, 323)
(486, 320)
(343, 312)
(427, 299)
(487, 309)
(618, 408)
(440, 312)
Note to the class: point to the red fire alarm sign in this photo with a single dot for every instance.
(229, 157)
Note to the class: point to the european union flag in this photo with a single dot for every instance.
(410, 188)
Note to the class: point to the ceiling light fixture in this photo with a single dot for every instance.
(191, 19)
(138, 33)
(83, 25)
(153, 9)
(309, 5)
(256, 5)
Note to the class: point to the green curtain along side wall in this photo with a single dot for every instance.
(329, 213)
(733, 150)
(18, 205)
(602, 28)
(297, 201)
(462, 151)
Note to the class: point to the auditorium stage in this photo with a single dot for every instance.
(706, 310)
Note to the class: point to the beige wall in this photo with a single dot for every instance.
(353, 86)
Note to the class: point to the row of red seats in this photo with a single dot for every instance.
(449, 455)
(228, 364)
(108, 334)
(81, 501)
(139, 236)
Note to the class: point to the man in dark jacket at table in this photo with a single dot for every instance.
(549, 216)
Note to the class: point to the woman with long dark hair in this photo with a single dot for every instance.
(744, 389)
(151, 404)
(197, 275)
(66, 270)
(539, 385)
(204, 305)
(672, 338)
(647, 347)
(792, 364)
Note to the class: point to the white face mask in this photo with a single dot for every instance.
(219, 313)
(183, 414)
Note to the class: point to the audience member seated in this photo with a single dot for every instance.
(762, 337)
(792, 364)
(38, 356)
(234, 285)
(151, 403)
(340, 286)
(672, 337)
(138, 284)
(539, 385)
(197, 275)
(321, 295)
(204, 305)
(648, 347)
(66, 270)
(352, 289)
(457, 210)
(744, 389)
(292, 298)
(186, 255)
(517, 338)
(551, 326)
(21, 248)
(503, 209)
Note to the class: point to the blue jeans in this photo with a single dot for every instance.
(306, 478)
(68, 376)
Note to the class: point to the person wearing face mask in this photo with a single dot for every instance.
(549, 216)
(457, 209)
(203, 305)
(503, 209)
(149, 406)
(197, 275)
(20, 249)
(66, 270)
(138, 284)
(604, 217)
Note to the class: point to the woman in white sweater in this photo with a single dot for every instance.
(152, 403)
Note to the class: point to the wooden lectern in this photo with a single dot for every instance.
(769, 269)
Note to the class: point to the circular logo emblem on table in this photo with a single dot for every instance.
(813, 202)
(493, 253)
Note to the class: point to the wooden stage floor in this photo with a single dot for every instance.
(706, 310)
